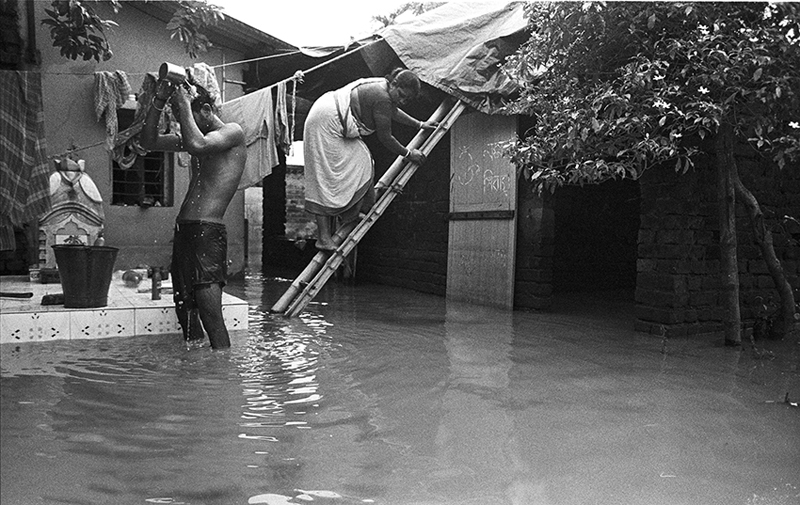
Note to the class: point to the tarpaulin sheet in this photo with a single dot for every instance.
(460, 48)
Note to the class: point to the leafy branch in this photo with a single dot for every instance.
(80, 32)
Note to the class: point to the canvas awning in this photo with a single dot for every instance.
(457, 48)
(460, 47)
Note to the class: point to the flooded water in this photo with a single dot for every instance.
(385, 396)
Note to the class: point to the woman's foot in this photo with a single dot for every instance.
(326, 245)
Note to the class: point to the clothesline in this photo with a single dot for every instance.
(298, 77)
(212, 66)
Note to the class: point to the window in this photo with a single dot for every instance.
(148, 182)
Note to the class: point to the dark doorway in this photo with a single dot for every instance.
(596, 232)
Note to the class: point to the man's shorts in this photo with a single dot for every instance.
(199, 257)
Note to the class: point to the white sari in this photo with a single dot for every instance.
(338, 165)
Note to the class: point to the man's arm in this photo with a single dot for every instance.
(228, 136)
(149, 138)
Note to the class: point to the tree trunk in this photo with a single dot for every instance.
(729, 265)
(784, 323)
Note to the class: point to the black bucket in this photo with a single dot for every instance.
(85, 274)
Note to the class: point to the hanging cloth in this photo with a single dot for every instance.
(111, 90)
(126, 143)
(24, 170)
(283, 128)
(254, 113)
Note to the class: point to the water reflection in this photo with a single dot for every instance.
(482, 455)
(387, 396)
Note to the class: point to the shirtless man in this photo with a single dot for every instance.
(199, 254)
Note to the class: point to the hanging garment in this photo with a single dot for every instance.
(24, 170)
(111, 90)
(283, 128)
(126, 143)
(254, 112)
(338, 165)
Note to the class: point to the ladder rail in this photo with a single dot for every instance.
(316, 274)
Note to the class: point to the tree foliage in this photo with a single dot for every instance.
(188, 22)
(79, 32)
(416, 8)
(619, 87)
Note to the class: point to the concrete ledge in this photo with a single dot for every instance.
(128, 313)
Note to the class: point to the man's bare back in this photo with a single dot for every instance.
(214, 180)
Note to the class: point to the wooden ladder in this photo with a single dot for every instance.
(325, 263)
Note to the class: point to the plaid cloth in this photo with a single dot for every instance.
(24, 169)
(111, 89)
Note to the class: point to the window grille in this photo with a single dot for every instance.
(149, 182)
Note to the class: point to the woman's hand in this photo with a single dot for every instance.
(428, 125)
(416, 156)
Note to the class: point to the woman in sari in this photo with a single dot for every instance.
(339, 169)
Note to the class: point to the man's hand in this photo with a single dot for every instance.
(180, 98)
(164, 90)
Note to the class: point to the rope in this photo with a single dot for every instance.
(297, 77)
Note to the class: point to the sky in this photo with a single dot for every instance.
(306, 23)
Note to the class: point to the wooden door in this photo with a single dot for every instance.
(483, 204)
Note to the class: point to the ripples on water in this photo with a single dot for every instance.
(378, 395)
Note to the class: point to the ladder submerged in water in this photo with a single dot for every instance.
(325, 263)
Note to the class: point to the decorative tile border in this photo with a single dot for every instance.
(235, 316)
(128, 313)
(101, 323)
(156, 321)
(34, 327)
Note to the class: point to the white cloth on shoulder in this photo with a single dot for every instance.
(338, 165)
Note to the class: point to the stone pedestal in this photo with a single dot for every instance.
(76, 215)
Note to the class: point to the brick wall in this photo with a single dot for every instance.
(678, 254)
(300, 225)
(679, 257)
(407, 247)
(533, 286)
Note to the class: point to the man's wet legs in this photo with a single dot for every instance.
(189, 321)
(209, 302)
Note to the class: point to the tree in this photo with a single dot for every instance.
(618, 88)
(80, 32)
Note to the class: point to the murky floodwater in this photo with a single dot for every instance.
(391, 397)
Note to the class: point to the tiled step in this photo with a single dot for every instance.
(128, 313)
